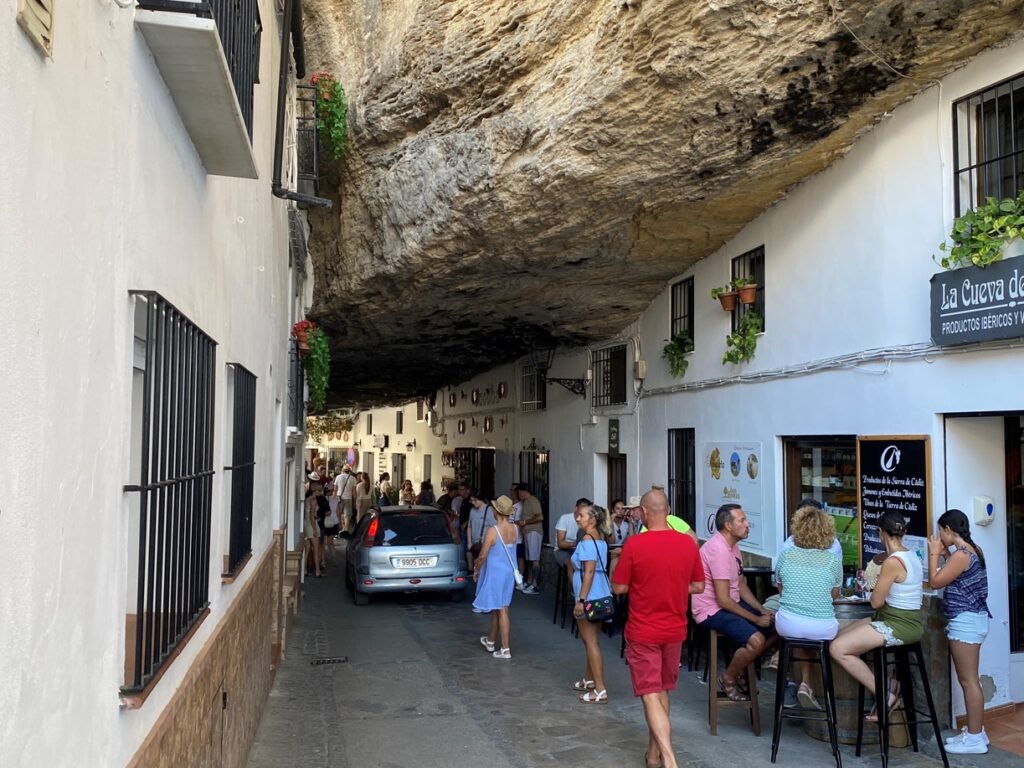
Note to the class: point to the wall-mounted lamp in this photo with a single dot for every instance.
(541, 357)
(411, 445)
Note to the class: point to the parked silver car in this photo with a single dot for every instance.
(405, 549)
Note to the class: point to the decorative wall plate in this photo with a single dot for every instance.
(502, 390)
(462, 426)
(488, 423)
(474, 397)
(451, 399)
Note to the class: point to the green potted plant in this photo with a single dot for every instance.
(318, 367)
(746, 289)
(675, 351)
(742, 343)
(726, 295)
(331, 111)
(980, 236)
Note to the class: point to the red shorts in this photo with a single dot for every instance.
(653, 667)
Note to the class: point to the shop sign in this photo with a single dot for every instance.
(894, 473)
(975, 304)
(613, 437)
(731, 473)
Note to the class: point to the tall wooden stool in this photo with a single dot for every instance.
(821, 647)
(899, 655)
(561, 595)
(718, 699)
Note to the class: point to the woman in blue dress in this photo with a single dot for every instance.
(590, 582)
(494, 575)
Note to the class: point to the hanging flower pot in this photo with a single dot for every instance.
(728, 300)
(748, 293)
(303, 347)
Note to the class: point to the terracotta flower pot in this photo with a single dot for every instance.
(301, 336)
(303, 348)
(728, 300)
(748, 293)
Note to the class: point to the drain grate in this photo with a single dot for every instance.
(330, 660)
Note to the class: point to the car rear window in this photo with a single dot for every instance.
(405, 529)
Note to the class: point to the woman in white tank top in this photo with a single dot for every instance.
(897, 602)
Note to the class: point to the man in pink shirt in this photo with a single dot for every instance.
(727, 605)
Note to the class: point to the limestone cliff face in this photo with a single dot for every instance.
(525, 168)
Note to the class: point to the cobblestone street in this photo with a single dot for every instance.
(418, 690)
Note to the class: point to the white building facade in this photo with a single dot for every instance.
(846, 366)
(147, 466)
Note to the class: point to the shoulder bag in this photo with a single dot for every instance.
(515, 571)
(602, 609)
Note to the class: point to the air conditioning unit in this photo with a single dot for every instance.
(380, 441)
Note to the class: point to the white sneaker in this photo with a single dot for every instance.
(504, 653)
(529, 589)
(963, 732)
(968, 744)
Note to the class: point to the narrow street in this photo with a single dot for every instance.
(418, 690)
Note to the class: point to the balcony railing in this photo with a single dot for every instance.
(307, 146)
(240, 28)
(296, 386)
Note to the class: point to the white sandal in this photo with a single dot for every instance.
(594, 697)
(583, 685)
(486, 643)
(504, 653)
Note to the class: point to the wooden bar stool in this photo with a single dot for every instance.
(717, 699)
(899, 655)
(824, 659)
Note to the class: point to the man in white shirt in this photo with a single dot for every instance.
(565, 536)
(344, 491)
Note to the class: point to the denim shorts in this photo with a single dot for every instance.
(968, 627)
(736, 628)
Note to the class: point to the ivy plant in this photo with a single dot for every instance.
(978, 236)
(741, 344)
(331, 111)
(675, 351)
(318, 368)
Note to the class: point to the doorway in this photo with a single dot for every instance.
(682, 471)
(397, 469)
(476, 467)
(534, 471)
(616, 479)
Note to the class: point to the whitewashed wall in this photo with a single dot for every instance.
(103, 192)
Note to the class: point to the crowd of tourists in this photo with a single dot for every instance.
(640, 550)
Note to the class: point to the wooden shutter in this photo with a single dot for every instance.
(36, 18)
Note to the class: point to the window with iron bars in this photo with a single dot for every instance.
(988, 144)
(682, 309)
(399, 422)
(369, 423)
(172, 471)
(296, 388)
(242, 385)
(751, 266)
(533, 389)
(609, 365)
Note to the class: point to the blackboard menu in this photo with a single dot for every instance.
(893, 473)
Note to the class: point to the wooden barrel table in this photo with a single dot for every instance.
(846, 688)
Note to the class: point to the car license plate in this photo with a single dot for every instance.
(414, 562)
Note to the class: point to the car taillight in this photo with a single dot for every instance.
(371, 533)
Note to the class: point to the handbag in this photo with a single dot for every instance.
(603, 608)
(515, 571)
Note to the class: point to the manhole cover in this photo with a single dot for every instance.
(330, 660)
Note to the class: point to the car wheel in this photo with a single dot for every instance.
(360, 598)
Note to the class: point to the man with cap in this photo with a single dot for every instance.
(659, 571)
(531, 524)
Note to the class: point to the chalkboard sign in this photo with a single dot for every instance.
(893, 473)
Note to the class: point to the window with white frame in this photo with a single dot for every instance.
(988, 144)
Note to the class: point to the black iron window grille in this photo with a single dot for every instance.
(988, 144)
(369, 423)
(420, 409)
(533, 389)
(243, 465)
(239, 27)
(307, 147)
(296, 387)
(682, 484)
(751, 266)
(682, 308)
(609, 365)
(399, 422)
(173, 417)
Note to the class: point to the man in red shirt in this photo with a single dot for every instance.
(659, 570)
